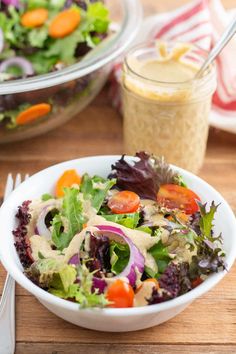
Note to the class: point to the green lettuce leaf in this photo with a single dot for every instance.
(38, 36)
(161, 255)
(13, 32)
(95, 189)
(98, 15)
(49, 272)
(46, 197)
(149, 272)
(119, 256)
(57, 48)
(145, 229)
(73, 212)
(82, 292)
(206, 220)
(50, 5)
(129, 220)
(178, 179)
(41, 63)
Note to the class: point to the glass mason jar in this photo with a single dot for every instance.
(169, 117)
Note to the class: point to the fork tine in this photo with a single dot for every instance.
(26, 176)
(17, 180)
(9, 186)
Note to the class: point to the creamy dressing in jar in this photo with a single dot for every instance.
(165, 109)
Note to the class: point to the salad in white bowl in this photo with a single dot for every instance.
(137, 237)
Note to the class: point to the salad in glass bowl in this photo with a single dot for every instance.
(136, 238)
(54, 58)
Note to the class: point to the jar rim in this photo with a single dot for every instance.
(210, 71)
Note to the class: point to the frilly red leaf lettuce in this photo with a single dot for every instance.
(99, 255)
(173, 282)
(210, 257)
(20, 233)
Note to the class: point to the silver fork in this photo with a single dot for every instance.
(7, 302)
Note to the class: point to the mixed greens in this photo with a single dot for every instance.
(40, 36)
(136, 238)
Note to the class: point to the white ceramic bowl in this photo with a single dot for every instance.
(113, 320)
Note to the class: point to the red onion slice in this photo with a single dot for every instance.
(22, 63)
(41, 228)
(14, 3)
(74, 259)
(136, 260)
(99, 284)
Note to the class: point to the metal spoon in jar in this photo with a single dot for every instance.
(224, 39)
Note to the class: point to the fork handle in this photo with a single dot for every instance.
(7, 317)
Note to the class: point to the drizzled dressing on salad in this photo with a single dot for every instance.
(136, 238)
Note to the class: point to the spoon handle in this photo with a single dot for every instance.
(224, 39)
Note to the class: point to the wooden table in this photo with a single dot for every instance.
(207, 326)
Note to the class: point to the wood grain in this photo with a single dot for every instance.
(71, 348)
(206, 326)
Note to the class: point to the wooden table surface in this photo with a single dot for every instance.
(207, 326)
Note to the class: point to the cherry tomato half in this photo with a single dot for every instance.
(196, 282)
(173, 196)
(120, 294)
(124, 202)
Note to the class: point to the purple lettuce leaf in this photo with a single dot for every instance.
(173, 282)
(20, 233)
(209, 259)
(15, 3)
(210, 256)
(99, 255)
(139, 177)
(144, 176)
(194, 222)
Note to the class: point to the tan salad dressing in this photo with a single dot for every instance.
(170, 70)
(142, 240)
(165, 110)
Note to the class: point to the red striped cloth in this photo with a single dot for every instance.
(200, 22)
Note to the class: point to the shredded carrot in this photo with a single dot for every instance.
(84, 226)
(32, 113)
(64, 23)
(67, 179)
(34, 18)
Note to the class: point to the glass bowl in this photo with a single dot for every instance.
(70, 90)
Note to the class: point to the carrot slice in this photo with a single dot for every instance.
(64, 23)
(67, 179)
(34, 18)
(32, 113)
(152, 280)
